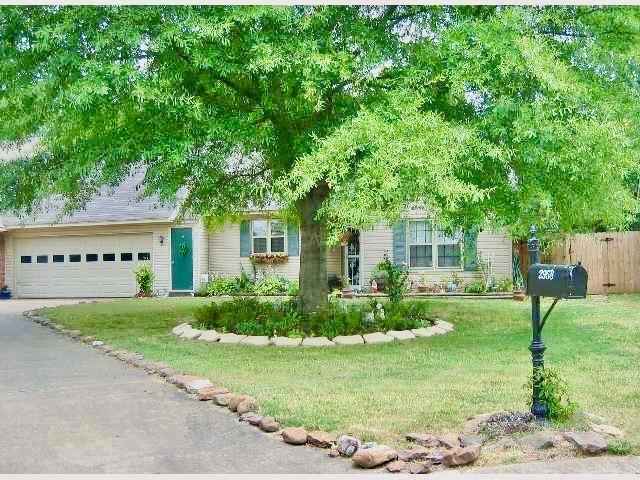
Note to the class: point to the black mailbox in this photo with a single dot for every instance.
(558, 281)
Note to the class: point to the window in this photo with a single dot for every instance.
(420, 243)
(91, 257)
(108, 257)
(144, 256)
(268, 236)
(75, 258)
(42, 259)
(58, 259)
(448, 250)
(25, 259)
(126, 257)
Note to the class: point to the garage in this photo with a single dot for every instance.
(80, 266)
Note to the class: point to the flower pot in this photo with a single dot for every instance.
(347, 293)
(5, 295)
(422, 289)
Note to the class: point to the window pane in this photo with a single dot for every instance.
(58, 259)
(75, 258)
(259, 245)
(277, 244)
(91, 257)
(25, 259)
(259, 228)
(420, 256)
(420, 232)
(277, 228)
(449, 255)
(108, 257)
(448, 239)
(144, 256)
(126, 257)
(42, 259)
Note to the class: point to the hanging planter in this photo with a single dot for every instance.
(268, 258)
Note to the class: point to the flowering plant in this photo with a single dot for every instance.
(268, 258)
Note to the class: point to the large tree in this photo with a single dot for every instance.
(344, 115)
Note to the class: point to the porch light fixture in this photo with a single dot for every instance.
(161, 240)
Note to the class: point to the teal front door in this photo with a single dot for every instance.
(181, 259)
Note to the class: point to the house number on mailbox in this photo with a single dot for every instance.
(546, 274)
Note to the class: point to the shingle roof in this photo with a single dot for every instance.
(122, 204)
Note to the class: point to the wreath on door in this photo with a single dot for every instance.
(183, 249)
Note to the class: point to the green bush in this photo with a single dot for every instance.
(144, 280)
(554, 394)
(245, 285)
(620, 447)
(504, 285)
(273, 285)
(294, 288)
(223, 286)
(475, 287)
(396, 277)
(250, 316)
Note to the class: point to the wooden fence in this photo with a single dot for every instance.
(612, 259)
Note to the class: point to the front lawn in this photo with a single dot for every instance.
(383, 391)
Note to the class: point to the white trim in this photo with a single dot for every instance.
(434, 249)
(101, 224)
(268, 237)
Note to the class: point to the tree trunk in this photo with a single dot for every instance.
(313, 252)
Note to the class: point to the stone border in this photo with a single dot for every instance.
(426, 453)
(187, 332)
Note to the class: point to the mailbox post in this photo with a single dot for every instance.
(556, 281)
(537, 348)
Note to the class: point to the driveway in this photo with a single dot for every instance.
(65, 408)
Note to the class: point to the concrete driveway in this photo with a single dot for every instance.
(65, 408)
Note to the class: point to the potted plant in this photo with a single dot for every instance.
(347, 289)
(5, 293)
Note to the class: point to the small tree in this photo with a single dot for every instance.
(144, 280)
(396, 279)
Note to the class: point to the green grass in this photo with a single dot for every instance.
(381, 392)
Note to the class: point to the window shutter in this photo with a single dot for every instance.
(400, 243)
(245, 238)
(293, 242)
(471, 249)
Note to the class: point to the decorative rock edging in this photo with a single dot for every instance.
(186, 331)
(428, 452)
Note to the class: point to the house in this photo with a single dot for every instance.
(93, 252)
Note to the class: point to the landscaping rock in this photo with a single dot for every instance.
(401, 334)
(236, 400)
(333, 452)
(167, 372)
(256, 341)
(421, 468)
(74, 333)
(377, 337)
(130, 357)
(209, 336)
(191, 334)
(88, 339)
(321, 439)
(437, 456)
(247, 405)
(415, 453)
(348, 340)
(269, 424)
(97, 343)
(294, 436)
(424, 439)
(508, 422)
(438, 330)
(222, 399)
(195, 386)
(538, 440)
(181, 380)
(251, 418)
(469, 439)
(444, 325)
(209, 393)
(105, 348)
(348, 445)
(423, 332)
(178, 329)
(373, 457)
(231, 338)
(609, 430)
(461, 456)
(317, 342)
(595, 418)
(285, 341)
(397, 467)
(476, 423)
(449, 440)
(590, 443)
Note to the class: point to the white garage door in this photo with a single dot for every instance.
(75, 266)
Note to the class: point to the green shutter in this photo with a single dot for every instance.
(293, 242)
(400, 243)
(470, 249)
(245, 238)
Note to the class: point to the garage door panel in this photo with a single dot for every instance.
(81, 279)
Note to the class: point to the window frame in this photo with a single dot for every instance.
(456, 241)
(42, 259)
(55, 258)
(269, 237)
(435, 243)
(143, 259)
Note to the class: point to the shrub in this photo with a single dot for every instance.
(504, 285)
(144, 280)
(222, 286)
(396, 279)
(620, 447)
(294, 288)
(475, 287)
(273, 285)
(554, 393)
